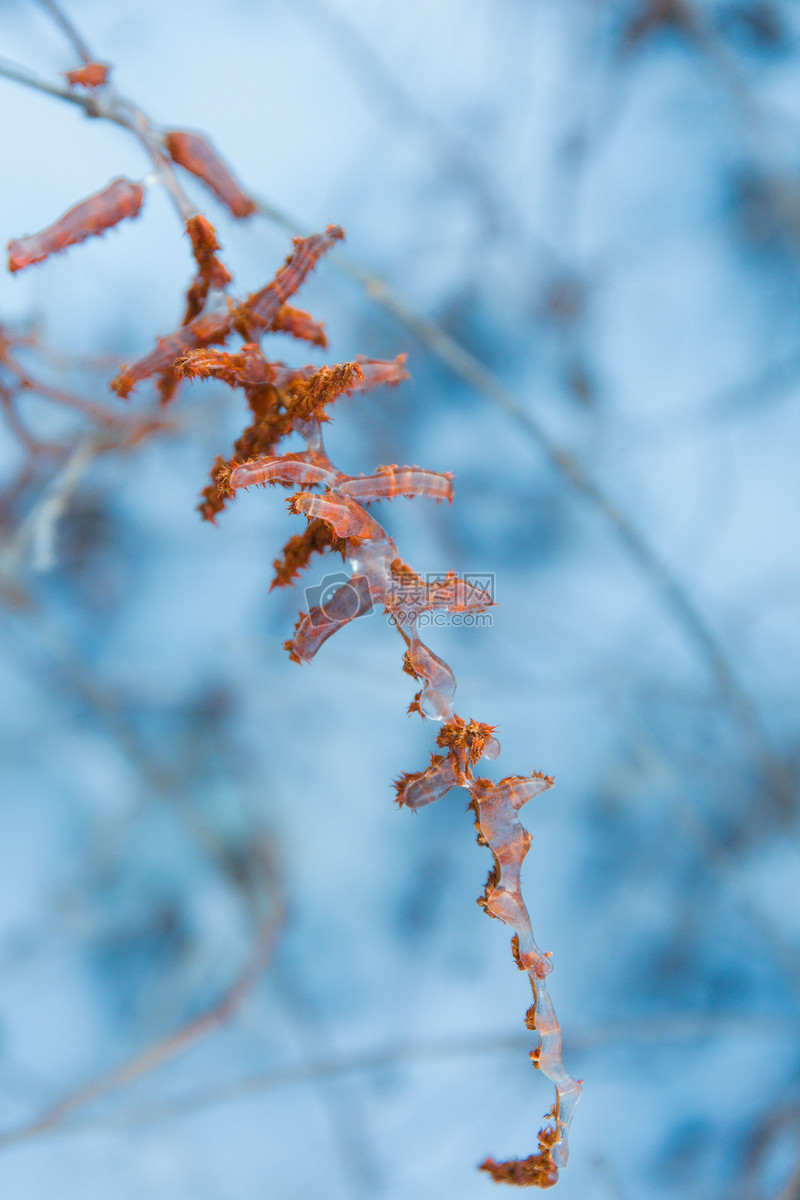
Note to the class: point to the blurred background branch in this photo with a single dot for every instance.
(585, 219)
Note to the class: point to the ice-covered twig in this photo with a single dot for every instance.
(285, 402)
(496, 808)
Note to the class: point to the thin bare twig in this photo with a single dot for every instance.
(792, 1189)
(34, 538)
(19, 74)
(779, 1120)
(720, 858)
(261, 889)
(450, 152)
(36, 535)
(632, 1031)
(61, 19)
(108, 105)
(165, 1048)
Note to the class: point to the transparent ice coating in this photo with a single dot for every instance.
(262, 307)
(388, 482)
(496, 808)
(289, 469)
(347, 518)
(350, 600)
(371, 552)
(379, 577)
(550, 1063)
(492, 748)
(285, 400)
(432, 784)
(439, 682)
(372, 560)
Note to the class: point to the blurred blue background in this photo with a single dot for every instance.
(601, 203)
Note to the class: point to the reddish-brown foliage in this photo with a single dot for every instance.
(317, 537)
(211, 273)
(258, 313)
(539, 1170)
(300, 325)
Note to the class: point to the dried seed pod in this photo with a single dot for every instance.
(392, 481)
(347, 519)
(262, 309)
(93, 216)
(196, 155)
(203, 331)
(90, 75)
